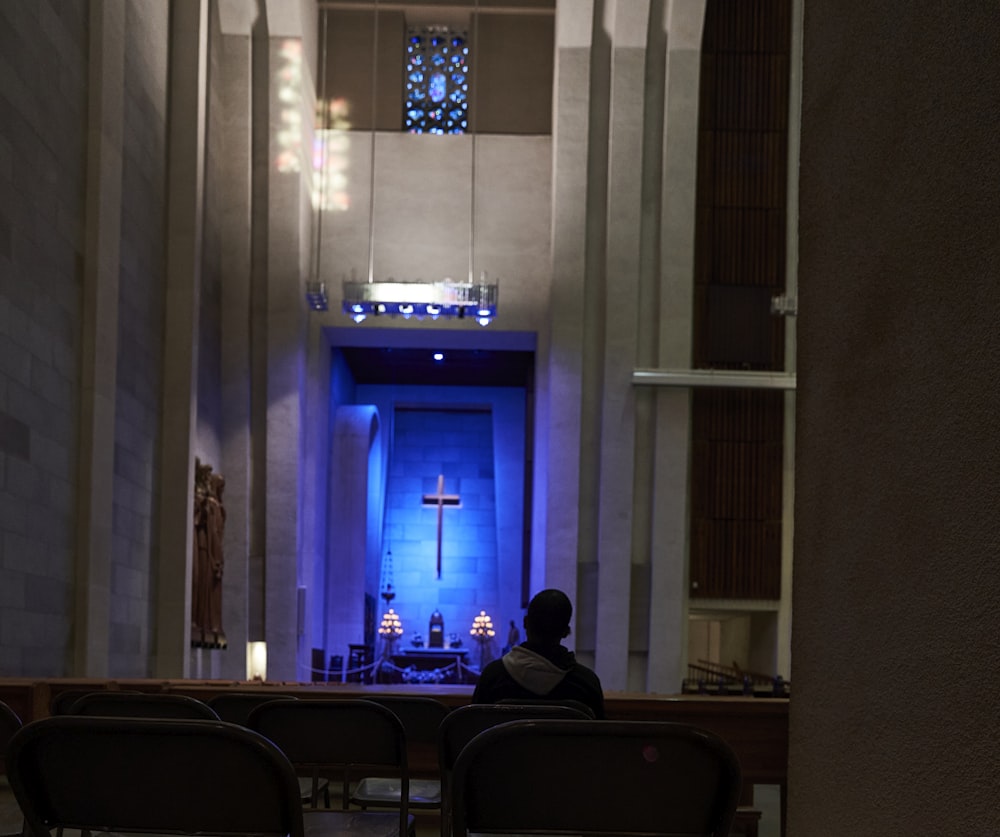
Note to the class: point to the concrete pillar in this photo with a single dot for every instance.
(625, 23)
(558, 474)
(235, 64)
(355, 430)
(669, 556)
(288, 220)
(185, 198)
(99, 338)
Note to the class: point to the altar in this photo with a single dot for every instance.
(430, 665)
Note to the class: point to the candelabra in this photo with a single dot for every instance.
(483, 633)
(390, 629)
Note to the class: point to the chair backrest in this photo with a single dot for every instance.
(466, 722)
(62, 702)
(579, 705)
(350, 735)
(9, 724)
(235, 707)
(140, 705)
(420, 716)
(155, 775)
(590, 777)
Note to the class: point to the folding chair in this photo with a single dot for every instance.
(466, 722)
(421, 717)
(62, 702)
(10, 723)
(235, 707)
(142, 705)
(595, 777)
(579, 705)
(166, 776)
(350, 736)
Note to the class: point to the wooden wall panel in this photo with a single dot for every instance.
(739, 266)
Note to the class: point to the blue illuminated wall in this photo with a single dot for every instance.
(457, 444)
(475, 437)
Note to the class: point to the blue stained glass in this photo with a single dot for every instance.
(439, 87)
(436, 102)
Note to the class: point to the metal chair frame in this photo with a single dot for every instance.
(625, 778)
(349, 736)
(155, 775)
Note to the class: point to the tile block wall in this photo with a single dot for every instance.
(43, 103)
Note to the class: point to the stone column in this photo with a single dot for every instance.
(559, 428)
(185, 198)
(99, 338)
(669, 568)
(288, 220)
(235, 62)
(626, 23)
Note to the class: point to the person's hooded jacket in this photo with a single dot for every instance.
(530, 672)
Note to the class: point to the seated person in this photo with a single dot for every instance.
(541, 668)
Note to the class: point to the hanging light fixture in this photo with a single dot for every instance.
(448, 298)
(316, 297)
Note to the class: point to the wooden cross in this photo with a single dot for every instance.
(441, 500)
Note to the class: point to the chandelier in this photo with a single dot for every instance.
(445, 298)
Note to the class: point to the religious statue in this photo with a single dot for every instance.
(207, 565)
(513, 637)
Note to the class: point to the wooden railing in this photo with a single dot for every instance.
(709, 678)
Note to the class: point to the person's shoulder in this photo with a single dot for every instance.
(493, 665)
(587, 675)
(493, 670)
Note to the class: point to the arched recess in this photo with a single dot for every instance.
(354, 524)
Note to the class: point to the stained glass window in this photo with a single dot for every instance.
(437, 79)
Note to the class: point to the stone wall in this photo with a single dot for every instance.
(43, 113)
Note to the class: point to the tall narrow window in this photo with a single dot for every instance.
(437, 81)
